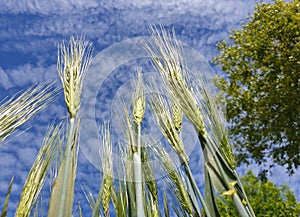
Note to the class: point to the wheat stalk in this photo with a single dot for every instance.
(152, 187)
(72, 64)
(139, 107)
(167, 56)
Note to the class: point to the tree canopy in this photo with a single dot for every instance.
(265, 197)
(261, 62)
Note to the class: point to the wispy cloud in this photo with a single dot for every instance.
(45, 7)
(36, 26)
(59, 7)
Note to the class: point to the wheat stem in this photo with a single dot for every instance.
(139, 108)
(195, 188)
(138, 176)
(67, 167)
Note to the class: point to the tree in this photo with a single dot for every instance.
(265, 197)
(262, 85)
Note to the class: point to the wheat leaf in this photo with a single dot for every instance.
(210, 197)
(96, 207)
(166, 207)
(5, 205)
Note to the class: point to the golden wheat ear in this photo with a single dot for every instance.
(22, 106)
(39, 171)
(73, 61)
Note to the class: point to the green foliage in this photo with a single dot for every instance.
(262, 85)
(265, 197)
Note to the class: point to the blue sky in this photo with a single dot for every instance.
(30, 31)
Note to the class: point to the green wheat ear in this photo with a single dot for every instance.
(169, 124)
(19, 108)
(174, 178)
(167, 56)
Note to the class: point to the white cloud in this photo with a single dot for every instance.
(59, 7)
(45, 7)
(4, 80)
(27, 74)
